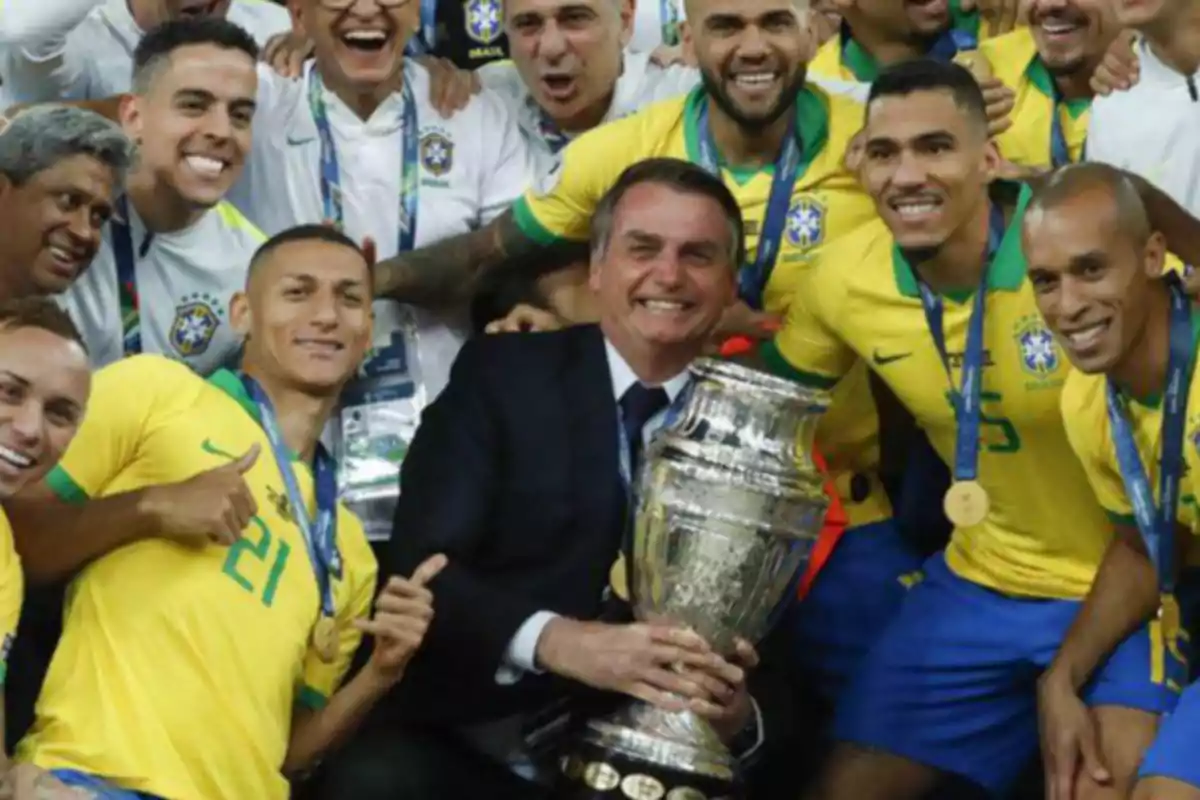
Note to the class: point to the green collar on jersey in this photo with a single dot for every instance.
(1043, 81)
(812, 123)
(231, 384)
(1007, 271)
(864, 66)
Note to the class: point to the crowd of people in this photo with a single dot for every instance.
(332, 337)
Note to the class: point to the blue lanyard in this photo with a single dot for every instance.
(1157, 523)
(127, 287)
(753, 277)
(320, 538)
(951, 43)
(967, 396)
(331, 187)
(1060, 152)
(548, 129)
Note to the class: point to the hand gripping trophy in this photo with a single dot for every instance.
(730, 504)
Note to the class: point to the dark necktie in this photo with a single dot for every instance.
(638, 405)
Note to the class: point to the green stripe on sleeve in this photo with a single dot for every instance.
(63, 485)
(778, 365)
(1121, 519)
(530, 226)
(311, 699)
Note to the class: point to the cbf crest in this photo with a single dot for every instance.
(484, 19)
(197, 318)
(1039, 351)
(806, 222)
(437, 153)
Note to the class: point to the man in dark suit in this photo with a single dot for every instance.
(515, 475)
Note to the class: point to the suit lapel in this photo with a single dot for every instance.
(592, 432)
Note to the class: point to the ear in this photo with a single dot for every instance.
(299, 18)
(1154, 256)
(240, 315)
(129, 114)
(628, 13)
(993, 162)
(686, 37)
(594, 268)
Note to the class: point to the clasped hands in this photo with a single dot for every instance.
(667, 666)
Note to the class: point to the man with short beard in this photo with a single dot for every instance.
(1049, 66)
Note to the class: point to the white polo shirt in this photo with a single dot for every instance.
(641, 83)
(80, 50)
(1151, 130)
(185, 280)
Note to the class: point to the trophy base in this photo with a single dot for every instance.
(645, 753)
(595, 772)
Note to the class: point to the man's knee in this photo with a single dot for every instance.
(1164, 789)
(1125, 734)
(859, 773)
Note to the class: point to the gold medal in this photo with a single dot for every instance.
(618, 578)
(325, 639)
(966, 503)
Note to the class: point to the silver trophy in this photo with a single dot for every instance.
(730, 506)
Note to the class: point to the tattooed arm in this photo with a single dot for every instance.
(449, 272)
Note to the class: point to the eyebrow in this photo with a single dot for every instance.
(19, 379)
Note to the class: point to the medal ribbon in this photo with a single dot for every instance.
(1060, 152)
(966, 398)
(127, 287)
(331, 190)
(753, 277)
(320, 534)
(951, 43)
(1157, 522)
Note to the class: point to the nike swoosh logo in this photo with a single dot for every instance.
(208, 447)
(882, 360)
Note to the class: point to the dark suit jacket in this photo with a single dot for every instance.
(514, 475)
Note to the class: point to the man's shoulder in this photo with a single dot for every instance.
(1009, 55)
(1084, 401)
(859, 255)
(261, 19)
(542, 351)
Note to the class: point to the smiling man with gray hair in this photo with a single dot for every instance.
(60, 169)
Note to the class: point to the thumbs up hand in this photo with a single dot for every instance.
(214, 506)
(403, 611)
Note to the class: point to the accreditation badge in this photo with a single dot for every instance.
(377, 419)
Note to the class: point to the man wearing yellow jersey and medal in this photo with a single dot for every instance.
(44, 383)
(220, 591)
(1049, 66)
(938, 299)
(1132, 412)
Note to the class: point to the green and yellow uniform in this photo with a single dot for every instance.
(1085, 414)
(12, 592)
(827, 204)
(179, 667)
(843, 59)
(1042, 537)
(1015, 63)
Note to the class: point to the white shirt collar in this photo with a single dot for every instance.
(623, 376)
(1154, 69)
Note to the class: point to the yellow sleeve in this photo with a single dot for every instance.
(561, 203)
(12, 593)
(1085, 415)
(353, 596)
(808, 348)
(125, 396)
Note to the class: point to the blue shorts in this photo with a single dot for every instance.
(100, 788)
(855, 596)
(952, 682)
(1173, 754)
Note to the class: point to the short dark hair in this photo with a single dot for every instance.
(35, 311)
(1070, 181)
(161, 41)
(303, 233)
(927, 75)
(685, 178)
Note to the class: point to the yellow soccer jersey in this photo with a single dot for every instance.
(841, 57)
(1015, 62)
(827, 204)
(1085, 414)
(1045, 533)
(179, 668)
(12, 592)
